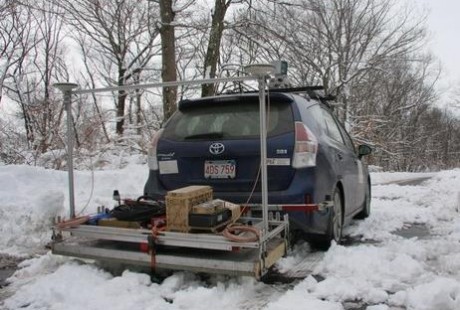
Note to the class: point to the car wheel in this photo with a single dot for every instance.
(335, 225)
(336, 221)
(366, 207)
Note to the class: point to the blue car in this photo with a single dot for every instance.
(314, 172)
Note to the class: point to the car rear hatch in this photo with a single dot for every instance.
(215, 141)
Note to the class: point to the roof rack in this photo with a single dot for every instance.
(309, 90)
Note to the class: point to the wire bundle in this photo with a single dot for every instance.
(138, 212)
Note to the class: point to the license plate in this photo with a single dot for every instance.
(219, 169)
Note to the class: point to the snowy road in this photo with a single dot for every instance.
(405, 256)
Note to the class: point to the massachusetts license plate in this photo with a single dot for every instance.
(219, 169)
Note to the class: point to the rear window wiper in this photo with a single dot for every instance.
(211, 135)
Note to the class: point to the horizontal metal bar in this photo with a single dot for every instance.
(177, 239)
(110, 230)
(291, 207)
(110, 233)
(199, 241)
(202, 241)
(245, 263)
(273, 207)
(94, 252)
(209, 265)
(163, 84)
(198, 245)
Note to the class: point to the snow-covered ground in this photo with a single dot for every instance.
(381, 178)
(376, 269)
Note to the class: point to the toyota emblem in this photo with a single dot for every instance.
(216, 148)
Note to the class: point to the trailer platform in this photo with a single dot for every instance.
(196, 252)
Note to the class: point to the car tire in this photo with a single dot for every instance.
(366, 207)
(335, 224)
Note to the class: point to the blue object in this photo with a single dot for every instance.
(94, 219)
(311, 160)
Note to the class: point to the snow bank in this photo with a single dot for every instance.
(388, 177)
(31, 197)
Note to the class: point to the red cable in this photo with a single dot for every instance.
(155, 233)
(231, 230)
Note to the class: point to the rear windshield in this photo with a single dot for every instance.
(234, 120)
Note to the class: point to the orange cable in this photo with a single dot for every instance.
(77, 221)
(231, 230)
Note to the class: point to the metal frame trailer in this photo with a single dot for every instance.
(198, 252)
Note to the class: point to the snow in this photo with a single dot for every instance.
(390, 177)
(377, 267)
(33, 196)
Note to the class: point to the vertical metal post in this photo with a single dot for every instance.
(70, 145)
(66, 89)
(262, 71)
(263, 151)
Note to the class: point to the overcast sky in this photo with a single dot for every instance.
(444, 27)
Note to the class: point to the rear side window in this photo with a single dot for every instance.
(347, 139)
(228, 121)
(314, 118)
(332, 127)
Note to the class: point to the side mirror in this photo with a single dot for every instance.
(364, 150)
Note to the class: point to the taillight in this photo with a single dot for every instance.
(152, 155)
(305, 148)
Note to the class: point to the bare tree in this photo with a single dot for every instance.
(365, 52)
(335, 42)
(16, 37)
(122, 40)
(390, 106)
(168, 52)
(214, 42)
(31, 81)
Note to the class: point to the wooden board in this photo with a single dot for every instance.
(112, 222)
(189, 191)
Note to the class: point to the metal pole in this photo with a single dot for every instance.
(164, 84)
(262, 71)
(70, 145)
(66, 89)
(263, 151)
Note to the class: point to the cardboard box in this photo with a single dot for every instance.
(180, 202)
(209, 207)
(236, 209)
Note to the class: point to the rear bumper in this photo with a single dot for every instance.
(302, 184)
